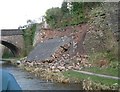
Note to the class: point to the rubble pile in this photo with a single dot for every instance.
(63, 63)
(57, 55)
(52, 71)
(58, 51)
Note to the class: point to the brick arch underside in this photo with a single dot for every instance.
(14, 49)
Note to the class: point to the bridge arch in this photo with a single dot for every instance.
(14, 49)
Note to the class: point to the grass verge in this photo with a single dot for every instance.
(96, 79)
(106, 71)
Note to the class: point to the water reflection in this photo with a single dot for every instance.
(1, 62)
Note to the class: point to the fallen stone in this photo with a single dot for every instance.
(45, 50)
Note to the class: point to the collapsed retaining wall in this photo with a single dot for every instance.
(59, 50)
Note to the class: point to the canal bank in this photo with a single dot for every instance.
(28, 81)
(70, 77)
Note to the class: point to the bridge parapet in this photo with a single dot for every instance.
(10, 32)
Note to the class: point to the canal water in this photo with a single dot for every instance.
(29, 82)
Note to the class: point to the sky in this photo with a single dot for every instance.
(15, 13)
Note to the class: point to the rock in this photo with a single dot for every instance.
(69, 67)
(36, 69)
(56, 71)
(18, 62)
(53, 67)
(61, 68)
(79, 59)
(30, 64)
(65, 81)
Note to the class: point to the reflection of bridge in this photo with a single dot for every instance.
(13, 39)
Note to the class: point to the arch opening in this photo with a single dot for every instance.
(12, 47)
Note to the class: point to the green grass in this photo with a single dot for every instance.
(96, 79)
(107, 71)
(110, 69)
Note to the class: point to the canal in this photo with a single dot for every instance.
(29, 82)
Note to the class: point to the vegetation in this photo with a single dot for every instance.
(7, 54)
(71, 13)
(110, 68)
(106, 71)
(54, 16)
(96, 79)
(28, 35)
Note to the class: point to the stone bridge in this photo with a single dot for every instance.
(13, 39)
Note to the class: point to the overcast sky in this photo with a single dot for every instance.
(15, 13)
